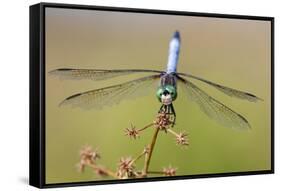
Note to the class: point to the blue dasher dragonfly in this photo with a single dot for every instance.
(166, 89)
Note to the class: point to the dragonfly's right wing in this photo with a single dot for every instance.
(213, 108)
(92, 74)
(96, 99)
(227, 90)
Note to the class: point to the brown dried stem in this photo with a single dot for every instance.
(149, 154)
(155, 172)
(138, 157)
(103, 170)
(149, 125)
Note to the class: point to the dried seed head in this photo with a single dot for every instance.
(132, 132)
(162, 121)
(126, 164)
(182, 139)
(169, 171)
(88, 155)
(125, 167)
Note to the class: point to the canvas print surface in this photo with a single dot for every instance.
(134, 95)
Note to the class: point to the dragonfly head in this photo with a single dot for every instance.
(166, 94)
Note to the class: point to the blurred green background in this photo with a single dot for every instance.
(232, 52)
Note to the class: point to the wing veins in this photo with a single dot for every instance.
(226, 90)
(215, 109)
(96, 74)
(109, 95)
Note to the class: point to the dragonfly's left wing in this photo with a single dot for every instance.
(108, 96)
(213, 108)
(92, 74)
(229, 91)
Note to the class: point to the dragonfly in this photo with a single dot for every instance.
(167, 83)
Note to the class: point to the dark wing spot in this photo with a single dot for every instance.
(251, 95)
(244, 119)
(73, 96)
(64, 69)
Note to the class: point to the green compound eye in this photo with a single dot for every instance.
(159, 93)
(168, 88)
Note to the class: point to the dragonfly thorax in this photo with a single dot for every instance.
(166, 94)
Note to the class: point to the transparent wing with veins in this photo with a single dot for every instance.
(213, 108)
(228, 91)
(108, 96)
(92, 74)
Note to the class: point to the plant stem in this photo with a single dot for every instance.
(151, 147)
(104, 170)
(155, 172)
(138, 157)
(172, 132)
(149, 125)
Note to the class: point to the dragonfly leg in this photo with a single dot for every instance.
(161, 109)
(169, 109)
(174, 114)
(165, 108)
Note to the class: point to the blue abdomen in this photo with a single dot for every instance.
(174, 50)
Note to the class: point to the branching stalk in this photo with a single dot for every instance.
(127, 165)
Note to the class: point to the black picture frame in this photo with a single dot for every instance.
(37, 93)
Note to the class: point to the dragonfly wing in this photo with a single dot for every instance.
(228, 91)
(213, 108)
(91, 74)
(108, 96)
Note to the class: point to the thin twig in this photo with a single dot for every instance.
(149, 125)
(138, 157)
(155, 172)
(173, 132)
(104, 170)
(151, 147)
